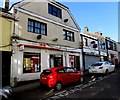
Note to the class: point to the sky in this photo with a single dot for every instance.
(100, 16)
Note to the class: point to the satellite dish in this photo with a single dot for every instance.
(39, 37)
(65, 20)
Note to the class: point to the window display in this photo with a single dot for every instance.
(31, 62)
(72, 60)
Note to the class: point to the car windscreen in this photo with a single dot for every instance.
(46, 72)
(97, 64)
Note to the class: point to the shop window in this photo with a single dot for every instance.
(72, 61)
(31, 63)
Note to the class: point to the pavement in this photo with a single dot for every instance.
(25, 86)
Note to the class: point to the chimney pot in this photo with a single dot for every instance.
(6, 4)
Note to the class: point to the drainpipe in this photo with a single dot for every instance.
(107, 49)
(99, 48)
(83, 55)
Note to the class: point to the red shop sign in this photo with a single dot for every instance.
(43, 44)
(71, 59)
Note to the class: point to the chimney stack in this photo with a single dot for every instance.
(6, 4)
(86, 29)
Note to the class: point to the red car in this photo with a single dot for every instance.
(59, 76)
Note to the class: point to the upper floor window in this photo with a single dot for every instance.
(54, 11)
(114, 46)
(102, 45)
(37, 27)
(68, 35)
(86, 41)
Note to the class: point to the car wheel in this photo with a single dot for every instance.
(81, 79)
(58, 86)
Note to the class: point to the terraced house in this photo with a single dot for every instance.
(46, 35)
(112, 50)
(6, 30)
(94, 47)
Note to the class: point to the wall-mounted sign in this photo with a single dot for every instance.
(43, 44)
(71, 59)
(90, 51)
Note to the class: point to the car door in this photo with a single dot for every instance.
(69, 74)
(112, 66)
(109, 67)
(61, 76)
(74, 75)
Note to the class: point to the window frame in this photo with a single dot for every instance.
(70, 70)
(33, 66)
(86, 41)
(38, 27)
(58, 71)
(55, 11)
(68, 35)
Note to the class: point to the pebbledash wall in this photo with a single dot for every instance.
(55, 44)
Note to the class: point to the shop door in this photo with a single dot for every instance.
(89, 60)
(58, 61)
(77, 62)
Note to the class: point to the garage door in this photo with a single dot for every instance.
(89, 60)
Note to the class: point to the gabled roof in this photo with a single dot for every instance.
(23, 2)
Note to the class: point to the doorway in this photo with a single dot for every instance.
(56, 60)
(6, 60)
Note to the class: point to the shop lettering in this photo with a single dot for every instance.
(43, 44)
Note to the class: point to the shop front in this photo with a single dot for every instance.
(30, 59)
(103, 56)
(74, 58)
(113, 57)
(56, 58)
(74, 61)
(66, 56)
(90, 57)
